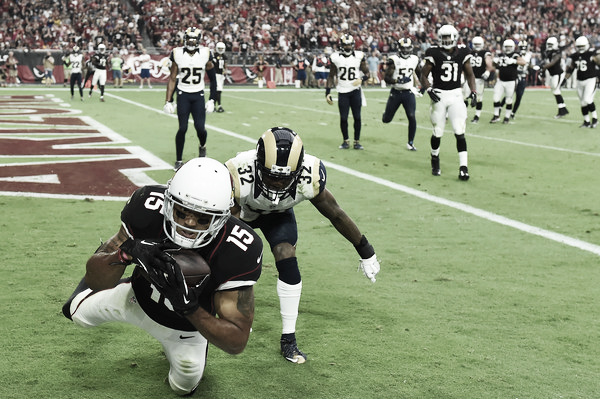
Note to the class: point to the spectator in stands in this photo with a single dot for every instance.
(12, 65)
(48, 69)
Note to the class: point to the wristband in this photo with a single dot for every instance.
(365, 78)
(364, 249)
(327, 91)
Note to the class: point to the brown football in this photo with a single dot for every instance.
(193, 266)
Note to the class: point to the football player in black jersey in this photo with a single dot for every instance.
(481, 62)
(447, 62)
(506, 63)
(99, 60)
(192, 211)
(555, 74)
(219, 60)
(584, 60)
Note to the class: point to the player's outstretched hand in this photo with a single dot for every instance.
(370, 267)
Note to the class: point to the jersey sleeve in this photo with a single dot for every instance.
(142, 216)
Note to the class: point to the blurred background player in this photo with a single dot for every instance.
(400, 74)
(446, 94)
(584, 61)
(76, 62)
(504, 90)
(268, 182)
(481, 63)
(66, 67)
(523, 72)
(99, 60)
(347, 66)
(219, 60)
(554, 73)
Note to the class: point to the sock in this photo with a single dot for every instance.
(289, 301)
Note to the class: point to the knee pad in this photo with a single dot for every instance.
(288, 270)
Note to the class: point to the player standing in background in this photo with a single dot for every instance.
(481, 62)
(189, 65)
(447, 62)
(555, 74)
(191, 212)
(268, 182)
(145, 66)
(504, 89)
(585, 61)
(76, 62)
(66, 67)
(400, 74)
(219, 60)
(346, 67)
(523, 72)
(99, 60)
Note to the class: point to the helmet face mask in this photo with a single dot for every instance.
(406, 47)
(192, 38)
(582, 44)
(478, 43)
(197, 202)
(279, 156)
(347, 44)
(508, 46)
(448, 37)
(220, 48)
(523, 47)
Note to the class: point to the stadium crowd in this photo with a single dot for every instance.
(286, 25)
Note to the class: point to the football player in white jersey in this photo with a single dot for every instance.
(346, 67)
(268, 182)
(447, 62)
(76, 61)
(189, 64)
(585, 60)
(400, 73)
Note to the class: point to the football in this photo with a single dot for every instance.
(193, 266)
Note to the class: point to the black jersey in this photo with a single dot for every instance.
(478, 63)
(447, 67)
(555, 69)
(507, 67)
(584, 64)
(234, 256)
(99, 61)
(219, 61)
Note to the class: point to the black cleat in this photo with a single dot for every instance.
(358, 146)
(495, 119)
(290, 351)
(594, 123)
(435, 165)
(202, 151)
(463, 173)
(505, 121)
(585, 124)
(475, 119)
(178, 164)
(561, 112)
(345, 145)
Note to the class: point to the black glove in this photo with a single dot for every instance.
(434, 96)
(473, 98)
(403, 79)
(173, 287)
(149, 253)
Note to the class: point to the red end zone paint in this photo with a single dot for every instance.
(77, 164)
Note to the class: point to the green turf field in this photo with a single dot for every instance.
(488, 289)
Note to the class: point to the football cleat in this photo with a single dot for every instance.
(463, 173)
(410, 147)
(290, 351)
(435, 165)
(358, 146)
(585, 124)
(505, 121)
(512, 116)
(561, 112)
(178, 164)
(495, 119)
(345, 145)
(102, 98)
(475, 119)
(220, 109)
(594, 123)
(202, 151)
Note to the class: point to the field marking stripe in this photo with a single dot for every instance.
(563, 239)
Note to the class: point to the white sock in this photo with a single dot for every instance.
(289, 301)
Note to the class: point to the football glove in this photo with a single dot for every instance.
(209, 106)
(169, 107)
(485, 75)
(329, 99)
(433, 95)
(148, 254)
(473, 98)
(356, 82)
(403, 79)
(416, 92)
(510, 61)
(370, 267)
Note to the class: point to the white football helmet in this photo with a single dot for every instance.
(508, 46)
(551, 44)
(101, 48)
(347, 44)
(406, 47)
(448, 37)
(582, 44)
(477, 43)
(220, 47)
(191, 39)
(201, 189)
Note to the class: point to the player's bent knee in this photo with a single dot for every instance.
(438, 131)
(186, 378)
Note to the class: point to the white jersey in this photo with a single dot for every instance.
(522, 70)
(247, 194)
(76, 62)
(348, 70)
(404, 68)
(191, 68)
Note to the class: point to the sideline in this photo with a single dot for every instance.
(550, 235)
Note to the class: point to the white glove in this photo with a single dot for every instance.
(485, 75)
(511, 61)
(209, 106)
(356, 82)
(370, 267)
(169, 107)
(416, 92)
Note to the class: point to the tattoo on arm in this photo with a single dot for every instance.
(245, 303)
